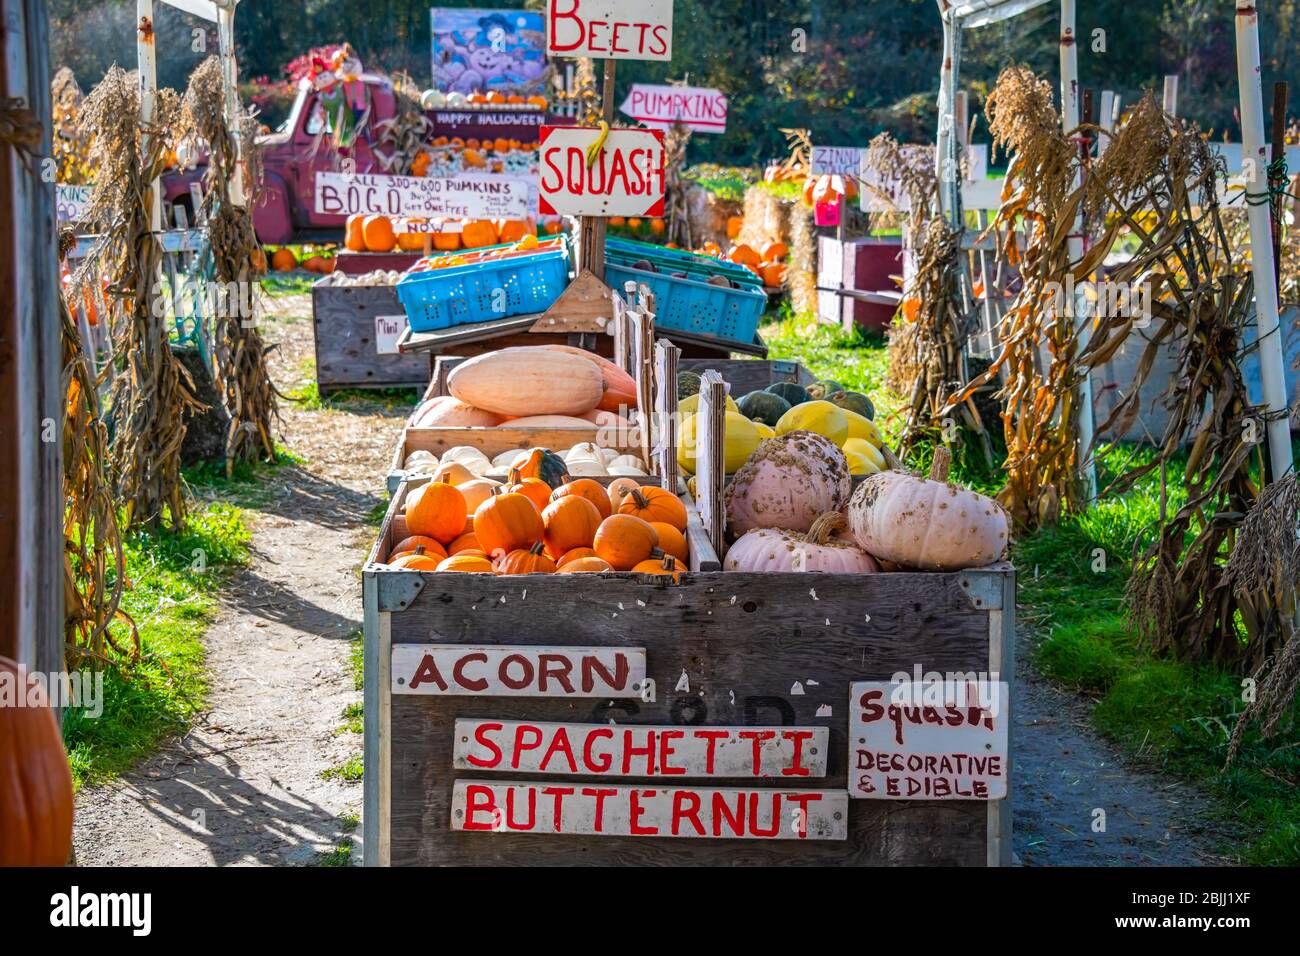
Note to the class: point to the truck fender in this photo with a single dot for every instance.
(272, 216)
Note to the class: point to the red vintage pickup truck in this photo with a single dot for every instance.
(303, 146)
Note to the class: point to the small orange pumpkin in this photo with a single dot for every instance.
(775, 251)
(574, 554)
(661, 564)
(625, 541)
(618, 490)
(411, 542)
(378, 234)
(587, 565)
(466, 542)
(534, 489)
(436, 509)
(570, 522)
(353, 238)
(418, 560)
(283, 260)
(530, 561)
(671, 540)
(654, 504)
(36, 792)
(507, 522)
(587, 488)
(469, 563)
(476, 491)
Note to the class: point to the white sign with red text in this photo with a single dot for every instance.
(610, 29)
(640, 750)
(464, 196)
(517, 671)
(626, 178)
(906, 743)
(593, 809)
(659, 107)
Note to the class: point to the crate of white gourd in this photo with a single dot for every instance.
(491, 408)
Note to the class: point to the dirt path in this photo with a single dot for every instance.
(245, 786)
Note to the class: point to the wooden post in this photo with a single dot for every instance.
(230, 91)
(1259, 210)
(666, 357)
(591, 229)
(1169, 101)
(148, 68)
(710, 457)
(643, 338)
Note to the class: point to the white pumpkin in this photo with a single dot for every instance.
(506, 458)
(627, 470)
(463, 453)
(607, 455)
(586, 468)
(584, 449)
(821, 550)
(421, 458)
(629, 461)
(927, 523)
(787, 483)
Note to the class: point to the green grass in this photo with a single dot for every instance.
(288, 283)
(353, 715)
(355, 399)
(341, 855)
(349, 769)
(1172, 716)
(357, 659)
(174, 577)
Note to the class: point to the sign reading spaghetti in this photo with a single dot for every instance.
(502, 670)
(466, 196)
(610, 29)
(915, 742)
(521, 746)
(593, 809)
(659, 107)
(626, 178)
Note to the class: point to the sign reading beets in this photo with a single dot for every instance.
(610, 29)
(626, 178)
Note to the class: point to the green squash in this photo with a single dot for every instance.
(545, 464)
(854, 402)
(792, 393)
(765, 407)
(688, 383)
(820, 391)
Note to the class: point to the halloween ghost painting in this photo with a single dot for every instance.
(484, 51)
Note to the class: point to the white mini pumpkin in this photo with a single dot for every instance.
(820, 551)
(927, 523)
(787, 483)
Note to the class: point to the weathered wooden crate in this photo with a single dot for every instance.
(343, 323)
(723, 649)
(743, 375)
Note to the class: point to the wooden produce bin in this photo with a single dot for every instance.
(723, 650)
(344, 327)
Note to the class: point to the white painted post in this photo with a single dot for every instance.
(1254, 152)
(1105, 120)
(229, 89)
(943, 148)
(148, 66)
(1070, 120)
(1169, 101)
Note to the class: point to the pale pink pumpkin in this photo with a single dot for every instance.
(444, 411)
(787, 483)
(927, 523)
(820, 551)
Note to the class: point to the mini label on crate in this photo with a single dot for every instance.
(625, 179)
(517, 671)
(575, 808)
(466, 196)
(610, 29)
(388, 329)
(917, 741)
(638, 750)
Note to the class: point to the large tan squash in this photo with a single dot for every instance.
(528, 381)
(447, 412)
(927, 523)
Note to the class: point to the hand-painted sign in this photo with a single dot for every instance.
(836, 160)
(909, 743)
(388, 329)
(466, 196)
(882, 192)
(626, 179)
(71, 202)
(659, 107)
(610, 29)
(639, 750)
(513, 671)
(593, 809)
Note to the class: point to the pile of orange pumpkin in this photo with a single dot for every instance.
(284, 260)
(768, 263)
(636, 226)
(540, 521)
(377, 233)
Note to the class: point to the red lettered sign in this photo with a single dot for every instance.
(502, 670)
(626, 179)
(610, 29)
(597, 809)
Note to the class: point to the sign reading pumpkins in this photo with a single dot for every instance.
(626, 178)
(466, 196)
(610, 29)
(928, 741)
(659, 107)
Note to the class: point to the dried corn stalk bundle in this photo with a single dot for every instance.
(152, 391)
(70, 142)
(914, 171)
(676, 211)
(798, 162)
(402, 137)
(242, 374)
(1038, 335)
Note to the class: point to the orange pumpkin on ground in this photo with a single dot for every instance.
(744, 255)
(586, 566)
(530, 561)
(35, 782)
(467, 562)
(634, 223)
(353, 237)
(420, 560)
(654, 504)
(775, 251)
(661, 564)
(378, 234)
(570, 522)
(436, 509)
(575, 554)
(507, 522)
(671, 540)
(587, 488)
(625, 541)
(773, 274)
(658, 226)
(617, 222)
(466, 542)
(283, 260)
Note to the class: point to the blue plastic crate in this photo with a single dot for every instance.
(627, 251)
(693, 305)
(482, 291)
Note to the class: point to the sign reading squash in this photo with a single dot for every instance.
(626, 177)
(610, 29)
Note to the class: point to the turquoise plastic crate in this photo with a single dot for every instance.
(482, 291)
(628, 251)
(692, 305)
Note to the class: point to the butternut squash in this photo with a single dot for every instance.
(528, 381)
